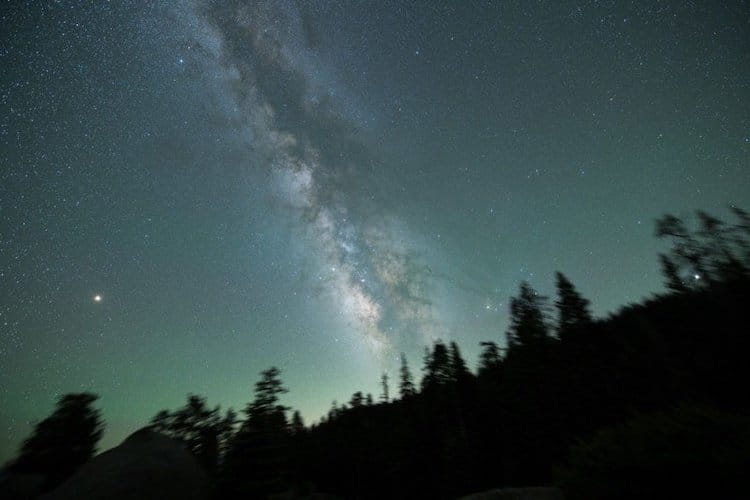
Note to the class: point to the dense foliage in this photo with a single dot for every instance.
(63, 441)
(670, 369)
(687, 452)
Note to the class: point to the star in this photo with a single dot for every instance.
(97, 298)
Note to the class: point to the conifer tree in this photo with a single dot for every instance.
(384, 384)
(63, 441)
(256, 465)
(265, 410)
(572, 308)
(201, 429)
(458, 369)
(528, 320)
(437, 366)
(406, 386)
(297, 426)
(489, 359)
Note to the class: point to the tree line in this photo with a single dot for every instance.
(650, 402)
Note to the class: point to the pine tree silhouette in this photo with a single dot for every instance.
(573, 309)
(406, 385)
(63, 441)
(384, 396)
(257, 463)
(528, 318)
(489, 359)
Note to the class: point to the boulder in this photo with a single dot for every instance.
(517, 494)
(146, 465)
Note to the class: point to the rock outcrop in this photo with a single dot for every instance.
(517, 494)
(146, 465)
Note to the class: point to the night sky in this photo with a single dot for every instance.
(192, 192)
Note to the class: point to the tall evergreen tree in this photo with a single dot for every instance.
(490, 358)
(437, 366)
(63, 441)
(196, 425)
(528, 318)
(265, 411)
(406, 386)
(298, 425)
(384, 396)
(257, 462)
(573, 309)
(458, 368)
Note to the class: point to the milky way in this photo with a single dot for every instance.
(298, 129)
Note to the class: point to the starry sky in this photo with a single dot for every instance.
(193, 191)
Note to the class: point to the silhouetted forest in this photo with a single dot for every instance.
(650, 402)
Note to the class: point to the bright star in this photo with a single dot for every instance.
(97, 298)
